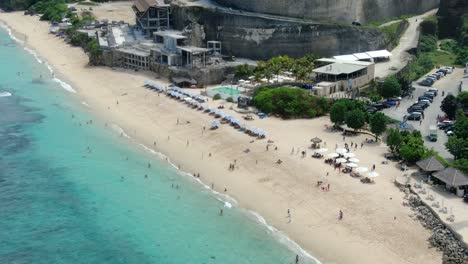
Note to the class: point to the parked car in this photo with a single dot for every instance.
(449, 133)
(436, 76)
(423, 104)
(430, 94)
(378, 106)
(441, 74)
(449, 69)
(389, 103)
(415, 108)
(443, 71)
(416, 116)
(433, 90)
(426, 82)
(372, 110)
(422, 98)
(262, 115)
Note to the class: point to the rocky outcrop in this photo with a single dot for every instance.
(450, 13)
(441, 238)
(335, 10)
(257, 37)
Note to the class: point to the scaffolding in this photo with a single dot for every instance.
(151, 16)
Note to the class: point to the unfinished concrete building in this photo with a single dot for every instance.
(151, 16)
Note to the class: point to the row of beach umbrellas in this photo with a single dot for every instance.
(154, 86)
(175, 92)
(190, 94)
(350, 161)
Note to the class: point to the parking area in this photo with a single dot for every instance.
(448, 84)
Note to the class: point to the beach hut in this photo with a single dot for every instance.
(455, 180)
(430, 164)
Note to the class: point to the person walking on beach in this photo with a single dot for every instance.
(373, 167)
(220, 212)
(340, 215)
(297, 259)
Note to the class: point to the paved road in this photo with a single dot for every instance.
(449, 84)
(408, 40)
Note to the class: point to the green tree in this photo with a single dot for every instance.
(457, 146)
(302, 68)
(94, 52)
(243, 71)
(413, 149)
(217, 96)
(462, 98)
(337, 113)
(394, 140)
(461, 128)
(449, 106)
(390, 87)
(378, 124)
(355, 119)
(461, 164)
(289, 102)
(427, 43)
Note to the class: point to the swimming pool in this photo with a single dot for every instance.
(227, 90)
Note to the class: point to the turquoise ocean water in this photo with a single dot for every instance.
(62, 202)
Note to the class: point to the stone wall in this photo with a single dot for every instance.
(254, 37)
(335, 10)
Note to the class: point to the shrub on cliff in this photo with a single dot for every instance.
(429, 26)
(290, 102)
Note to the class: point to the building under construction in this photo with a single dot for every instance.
(151, 16)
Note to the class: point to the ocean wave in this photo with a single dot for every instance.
(32, 52)
(120, 130)
(64, 85)
(5, 94)
(84, 103)
(283, 238)
(10, 33)
(229, 202)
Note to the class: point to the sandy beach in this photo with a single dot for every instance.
(376, 227)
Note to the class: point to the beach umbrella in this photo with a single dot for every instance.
(349, 155)
(372, 174)
(341, 150)
(353, 160)
(340, 160)
(362, 169)
(352, 165)
(333, 155)
(214, 124)
(316, 140)
(322, 150)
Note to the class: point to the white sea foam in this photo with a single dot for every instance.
(64, 85)
(5, 94)
(283, 238)
(84, 103)
(230, 202)
(120, 130)
(10, 33)
(32, 52)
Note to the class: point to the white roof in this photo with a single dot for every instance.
(362, 56)
(364, 63)
(346, 58)
(340, 68)
(379, 53)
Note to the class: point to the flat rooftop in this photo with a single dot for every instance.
(193, 49)
(338, 68)
(134, 52)
(170, 33)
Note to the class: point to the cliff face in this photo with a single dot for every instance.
(262, 38)
(450, 13)
(335, 10)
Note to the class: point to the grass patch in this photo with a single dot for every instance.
(88, 4)
(391, 30)
(443, 58)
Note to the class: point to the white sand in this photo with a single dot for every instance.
(367, 234)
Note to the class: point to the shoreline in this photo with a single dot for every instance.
(250, 194)
(227, 200)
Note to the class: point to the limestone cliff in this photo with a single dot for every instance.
(255, 37)
(335, 10)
